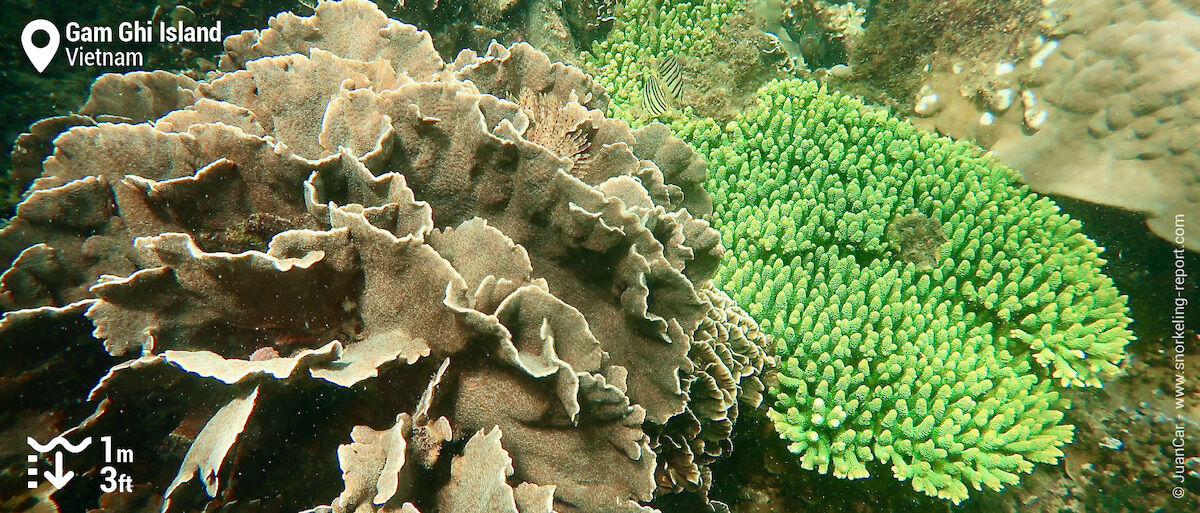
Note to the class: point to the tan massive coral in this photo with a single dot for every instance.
(342, 255)
(1120, 107)
(1105, 108)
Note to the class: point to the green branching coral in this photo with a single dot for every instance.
(721, 49)
(647, 31)
(942, 373)
(806, 185)
(947, 372)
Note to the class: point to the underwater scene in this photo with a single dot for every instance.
(533, 256)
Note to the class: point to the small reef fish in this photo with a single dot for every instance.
(654, 98)
(814, 46)
(668, 69)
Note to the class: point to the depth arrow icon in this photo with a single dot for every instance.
(58, 478)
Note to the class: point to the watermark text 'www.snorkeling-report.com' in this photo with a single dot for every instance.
(86, 43)
(1178, 343)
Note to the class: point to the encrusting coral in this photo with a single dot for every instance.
(948, 374)
(460, 283)
(1096, 102)
(1119, 108)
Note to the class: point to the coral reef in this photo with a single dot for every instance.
(721, 47)
(1131, 476)
(459, 285)
(822, 33)
(1124, 457)
(729, 354)
(559, 28)
(1137, 409)
(903, 37)
(949, 375)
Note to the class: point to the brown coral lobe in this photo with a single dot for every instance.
(341, 255)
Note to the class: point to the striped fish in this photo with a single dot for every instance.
(668, 70)
(654, 98)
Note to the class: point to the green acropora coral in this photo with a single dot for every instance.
(647, 31)
(948, 372)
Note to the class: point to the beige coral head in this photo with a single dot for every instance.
(468, 273)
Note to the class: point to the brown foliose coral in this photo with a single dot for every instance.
(342, 253)
(729, 353)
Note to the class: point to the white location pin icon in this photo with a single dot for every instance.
(40, 57)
